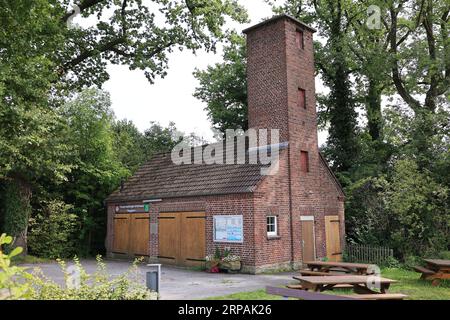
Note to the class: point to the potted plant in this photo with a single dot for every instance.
(231, 263)
(223, 261)
(212, 264)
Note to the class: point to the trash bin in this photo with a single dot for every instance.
(153, 278)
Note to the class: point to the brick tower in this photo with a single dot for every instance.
(281, 95)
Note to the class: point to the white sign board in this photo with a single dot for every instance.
(228, 229)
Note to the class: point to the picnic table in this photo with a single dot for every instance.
(347, 267)
(435, 270)
(360, 283)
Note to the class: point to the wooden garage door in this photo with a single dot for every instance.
(182, 238)
(193, 238)
(333, 238)
(169, 238)
(132, 234)
(121, 233)
(140, 234)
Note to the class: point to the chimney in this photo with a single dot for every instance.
(280, 76)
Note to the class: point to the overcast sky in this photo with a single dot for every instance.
(171, 99)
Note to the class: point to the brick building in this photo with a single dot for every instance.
(177, 214)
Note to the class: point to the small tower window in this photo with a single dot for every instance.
(299, 39)
(301, 98)
(304, 161)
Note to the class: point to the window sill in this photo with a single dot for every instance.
(273, 237)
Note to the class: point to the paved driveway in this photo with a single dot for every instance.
(183, 284)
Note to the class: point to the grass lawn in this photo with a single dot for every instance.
(408, 283)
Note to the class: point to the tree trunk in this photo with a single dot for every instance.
(17, 210)
(374, 115)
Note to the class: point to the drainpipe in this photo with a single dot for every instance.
(291, 219)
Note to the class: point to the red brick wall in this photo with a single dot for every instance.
(266, 78)
(272, 198)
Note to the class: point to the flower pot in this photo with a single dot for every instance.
(231, 265)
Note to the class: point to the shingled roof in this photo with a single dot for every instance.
(161, 178)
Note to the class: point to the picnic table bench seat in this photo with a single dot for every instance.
(379, 296)
(307, 272)
(338, 286)
(423, 270)
(435, 270)
(345, 267)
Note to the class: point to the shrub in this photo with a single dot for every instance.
(16, 283)
(53, 230)
(79, 285)
(417, 205)
(11, 286)
(391, 262)
(444, 255)
(412, 261)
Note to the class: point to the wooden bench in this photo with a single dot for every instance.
(435, 270)
(319, 273)
(380, 296)
(338, 286)
(305, 295)
(424, 270)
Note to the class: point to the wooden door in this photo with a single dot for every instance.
(182, 238)
(121, 233)
(333, 238)
(169, 238)
(193, 238)
(139, 234)
(308, 240)
(131, 234)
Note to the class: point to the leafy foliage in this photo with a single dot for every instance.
(53, 231)
(79, 285)
(418, 206)
(44, 60)
(11, 287)
(16, 283)
(224, 87)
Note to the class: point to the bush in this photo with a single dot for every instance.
(412, 261)
(53, 231)
(11, 286)
(98, 286)
(16, 283)
(391, 262)
(444, 255)
(417, 205)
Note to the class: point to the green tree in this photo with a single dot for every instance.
(96, 169)
(223, 87)
(418, 206)
(42, 61)
(129, 144)
(420, 64)
(53, 231)
(159, 139)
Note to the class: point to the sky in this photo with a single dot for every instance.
(171, 98)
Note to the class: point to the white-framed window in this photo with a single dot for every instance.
(272, 228)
